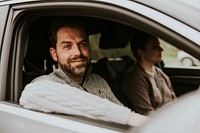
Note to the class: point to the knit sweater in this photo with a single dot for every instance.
(59, 94)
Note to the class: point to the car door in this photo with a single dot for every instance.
(23, 15)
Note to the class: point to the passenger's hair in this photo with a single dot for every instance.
(56, 25)
(139, 41)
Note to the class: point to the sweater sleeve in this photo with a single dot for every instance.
(48, 96)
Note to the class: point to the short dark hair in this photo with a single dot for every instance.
(139, 41)
(56, 25)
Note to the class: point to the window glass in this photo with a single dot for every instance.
(177, 58)
(112, 54)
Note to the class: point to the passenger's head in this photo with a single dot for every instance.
(146, 47)
(70, 47)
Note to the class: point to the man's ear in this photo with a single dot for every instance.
(53, 54)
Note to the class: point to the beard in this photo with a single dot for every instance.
(76, 71)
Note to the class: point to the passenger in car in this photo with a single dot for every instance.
(146, 86)
(71, 88)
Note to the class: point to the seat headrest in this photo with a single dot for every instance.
(115, 36)
(38, 43)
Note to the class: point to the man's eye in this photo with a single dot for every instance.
(67, 46)
(84, 44)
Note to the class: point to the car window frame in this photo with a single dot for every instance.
(3, 16)
(125, 15)
(13, 73)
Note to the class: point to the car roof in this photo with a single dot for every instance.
(182, 10)
(173, 8)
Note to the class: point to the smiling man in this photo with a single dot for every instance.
(71, 88)
(72, 51)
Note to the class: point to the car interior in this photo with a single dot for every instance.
(113, 35)
(38, 61)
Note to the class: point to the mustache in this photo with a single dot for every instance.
(78, 58)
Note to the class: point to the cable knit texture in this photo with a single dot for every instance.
(48, 96)
(59, 94)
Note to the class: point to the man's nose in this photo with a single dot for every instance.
(76, 50)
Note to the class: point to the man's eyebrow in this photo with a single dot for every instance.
(84, 40)
(65, 42)
(68, 42)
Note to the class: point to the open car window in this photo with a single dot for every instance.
(174, 57)
(24, 47)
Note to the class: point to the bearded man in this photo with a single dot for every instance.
(71, 88)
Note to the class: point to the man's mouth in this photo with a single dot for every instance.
(78, 61)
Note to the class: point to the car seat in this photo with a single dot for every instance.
(37, 59)
(112, 72)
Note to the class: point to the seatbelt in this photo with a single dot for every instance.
(158, 85)
(110, 68)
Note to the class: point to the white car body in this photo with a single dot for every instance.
(165, 18)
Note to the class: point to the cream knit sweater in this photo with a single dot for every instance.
(48, 96)
(57, 93)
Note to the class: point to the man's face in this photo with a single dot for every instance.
(72, 51)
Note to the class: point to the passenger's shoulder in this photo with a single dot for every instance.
(40, 78)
